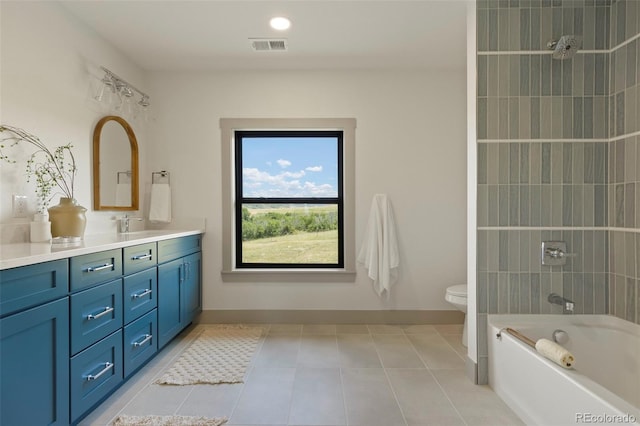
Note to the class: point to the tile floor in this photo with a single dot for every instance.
(325, 375)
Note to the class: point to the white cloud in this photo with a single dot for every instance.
(314, 169)
(258, 183)
(283, 163)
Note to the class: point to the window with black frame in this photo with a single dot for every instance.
(289, 203)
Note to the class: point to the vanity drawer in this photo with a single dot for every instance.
(140, 294)
(94, 268)
(178, 247)
(32, 285)
(140, 257)
(95, 313)
(140, 341)
(95, 372)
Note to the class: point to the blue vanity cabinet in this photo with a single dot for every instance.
(192, 294)
(34, 344)
(170, 318)
(179, 286)
(34, 366)
(73, 329)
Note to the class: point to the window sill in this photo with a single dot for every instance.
(288, 275)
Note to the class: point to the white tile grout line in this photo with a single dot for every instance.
(435, 379)
(344, 396)
(265, 333)
(386, 375)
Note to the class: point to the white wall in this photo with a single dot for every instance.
(410, 144)
(49, 65)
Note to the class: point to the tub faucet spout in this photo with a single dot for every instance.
(556, 299)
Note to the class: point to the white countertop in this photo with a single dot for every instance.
(21, 254)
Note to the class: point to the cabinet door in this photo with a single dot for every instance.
(34, 366)
(191, 287)
(170, 321)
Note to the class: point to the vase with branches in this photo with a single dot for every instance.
(53, 170)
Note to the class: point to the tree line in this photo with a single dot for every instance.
(274, 224)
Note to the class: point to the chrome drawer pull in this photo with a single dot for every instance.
(99, 268)
(141, 257)
(107, 309)
(147, 337)
(143, 294)
(107, 366)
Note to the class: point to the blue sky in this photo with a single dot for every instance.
(290, 167)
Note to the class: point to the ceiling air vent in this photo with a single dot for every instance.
(268, 44)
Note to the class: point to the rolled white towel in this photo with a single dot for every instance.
(555, 353)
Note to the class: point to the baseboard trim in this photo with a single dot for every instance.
(471, 370)
(330, 317)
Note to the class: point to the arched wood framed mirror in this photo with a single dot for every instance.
(115, 165)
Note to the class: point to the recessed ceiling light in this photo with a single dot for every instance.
(280, 23)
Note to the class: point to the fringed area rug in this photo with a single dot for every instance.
(217, 355)
(167, 421)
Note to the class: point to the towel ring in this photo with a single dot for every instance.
(121, 174)
(157, 177)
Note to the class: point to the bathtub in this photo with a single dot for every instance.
(604, 387)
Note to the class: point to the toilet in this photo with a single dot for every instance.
(457, 296)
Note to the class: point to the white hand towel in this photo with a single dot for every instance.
(379, 251)
(555, 353)
(160, 203)
(123, 194)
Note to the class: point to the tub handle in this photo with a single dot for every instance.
(557, 253)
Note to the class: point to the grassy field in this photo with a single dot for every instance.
(304, 247)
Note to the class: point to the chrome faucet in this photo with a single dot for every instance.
(556, 299)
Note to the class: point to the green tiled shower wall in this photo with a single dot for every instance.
(558, 155)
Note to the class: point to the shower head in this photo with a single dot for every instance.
(566, 47)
